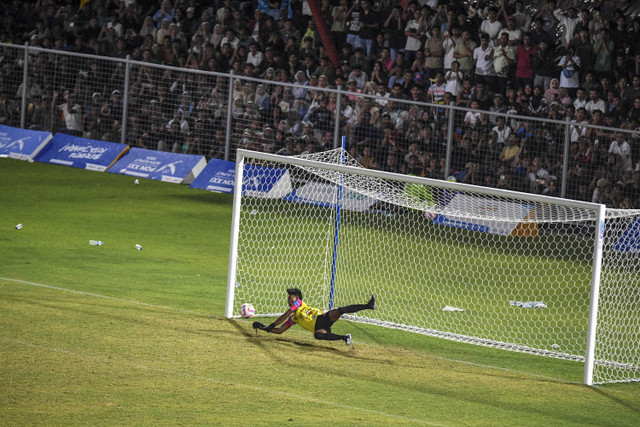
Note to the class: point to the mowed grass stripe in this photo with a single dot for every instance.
(102, 345)
(100, 356)
(210, 316)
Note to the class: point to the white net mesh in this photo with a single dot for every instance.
(442, 259)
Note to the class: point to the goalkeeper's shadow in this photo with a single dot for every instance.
(251, 335)
(256, 340)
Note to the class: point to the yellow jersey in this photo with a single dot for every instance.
(304, 315)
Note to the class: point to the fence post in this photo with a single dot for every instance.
(25, 77)
(565, 158)
(125, 100)
(336, 126)
(227, 149)
(447, 167)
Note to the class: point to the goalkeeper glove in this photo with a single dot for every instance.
(259, 325)
(270, 327)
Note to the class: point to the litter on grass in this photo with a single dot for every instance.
(528, 304)
(450, 308)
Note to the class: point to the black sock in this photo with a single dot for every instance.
(328, 336)
(353, 308)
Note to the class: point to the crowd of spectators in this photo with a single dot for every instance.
(567, 60)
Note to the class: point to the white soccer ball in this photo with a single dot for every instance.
(429, 215)
(247, 310)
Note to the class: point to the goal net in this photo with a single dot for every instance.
(471, 264)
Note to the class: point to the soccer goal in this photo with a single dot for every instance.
(515, 271)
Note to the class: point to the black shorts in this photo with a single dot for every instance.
(323, 322)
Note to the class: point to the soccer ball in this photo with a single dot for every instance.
(247, 310)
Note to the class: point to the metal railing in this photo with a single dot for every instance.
(210, 113)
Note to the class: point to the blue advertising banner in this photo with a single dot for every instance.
(265, 182)
(629, 241)
(81, 153)
(218, 175)
(160, 165)
(22, 144)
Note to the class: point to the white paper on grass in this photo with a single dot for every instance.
(528, 304)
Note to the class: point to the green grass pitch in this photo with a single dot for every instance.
(110, 335)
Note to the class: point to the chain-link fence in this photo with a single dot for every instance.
(519, 142)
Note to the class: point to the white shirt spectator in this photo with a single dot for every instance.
(255, 58)
(569, 75)
(483, 65)
(503, 134)
(491, 28)
(569, 25)
(448, 45)
(621, 148)
(472, 118)
(596, 105)
(72, 116)
(413, 44)
(577, 130)
(515, 34)
(580, 103)
(453, 83)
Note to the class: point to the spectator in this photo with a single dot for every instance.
(552, 94)
(522, 17)
(437, 90)
(165, 13)
(537, 105)
(413, 32)
(359, 76)
(368, 26)
(510, 151)
(483, 60)
(595, 102)
(453, 79)
(472, 117)
(514, 34)
(603, 50)
(622, 150)
(524, 57)
(491, 26)
(479, 93)
(502, 130)
(569, 21)
(353, 25)
(503, 59)
(463, 53)
(544, 66)
(497, 107)
(538, 33)
(434, 54)
(339, 24)
(71, 114)
(464, 95)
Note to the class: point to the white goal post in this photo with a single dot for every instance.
(485, 266)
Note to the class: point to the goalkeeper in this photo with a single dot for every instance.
(313, 319)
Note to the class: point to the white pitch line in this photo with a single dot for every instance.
(212, 380)
(465, 362)
(89, 294)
